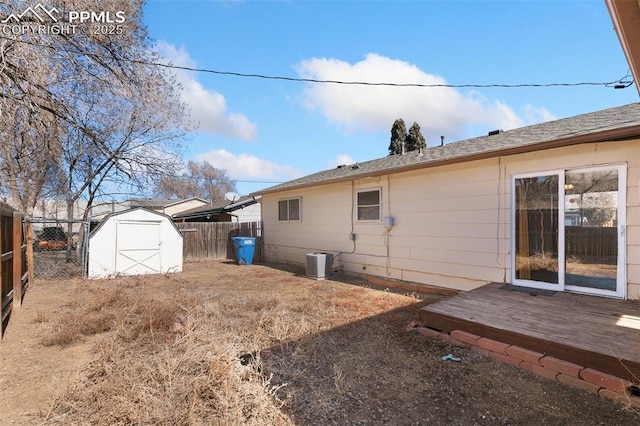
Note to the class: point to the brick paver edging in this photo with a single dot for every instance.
(588, 379)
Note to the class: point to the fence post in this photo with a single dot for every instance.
(6, 308)
(29, 231)
(17, 258)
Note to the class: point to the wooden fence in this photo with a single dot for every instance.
(16, 259)
(212, 240)
(596, 242)
(542, 236)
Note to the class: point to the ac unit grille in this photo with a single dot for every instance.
(319, 265)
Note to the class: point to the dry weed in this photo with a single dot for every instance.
(168, 361)
(41, 317)
(189, 356)
(91, 312)
(210, 347)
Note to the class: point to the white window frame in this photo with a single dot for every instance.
(621, 281)
(288, 200)
(357, 212)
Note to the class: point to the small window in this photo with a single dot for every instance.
(369, 205)
(289, 209)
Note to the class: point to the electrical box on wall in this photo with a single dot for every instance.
(388, 222)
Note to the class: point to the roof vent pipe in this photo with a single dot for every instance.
(441, 140)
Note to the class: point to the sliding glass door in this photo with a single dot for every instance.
(568, 230)
(537, 231)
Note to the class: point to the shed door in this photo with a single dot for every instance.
(138, 247)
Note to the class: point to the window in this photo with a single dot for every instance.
(289, 209)
(369, 205)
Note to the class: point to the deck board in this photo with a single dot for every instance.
(574, 327)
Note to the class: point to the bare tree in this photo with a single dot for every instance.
(89, 110)
(200, 180)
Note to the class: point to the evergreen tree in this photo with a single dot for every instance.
(414, 139)
(398, 137)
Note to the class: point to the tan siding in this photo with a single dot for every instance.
(633, 224)
(455, 257)
(451, 223)
(184, 206)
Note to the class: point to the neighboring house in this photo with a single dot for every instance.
(246, 209)
(497, 208)
(169, 207)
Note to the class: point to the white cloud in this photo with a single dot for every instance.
(208, 107)
(535, 115)
(341, 159)
(248, 166)
(438, 110)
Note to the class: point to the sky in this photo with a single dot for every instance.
(266, 131)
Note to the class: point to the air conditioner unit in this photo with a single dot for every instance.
(319, 265)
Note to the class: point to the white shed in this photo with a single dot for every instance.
(135, 242)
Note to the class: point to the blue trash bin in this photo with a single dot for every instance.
(244, 249)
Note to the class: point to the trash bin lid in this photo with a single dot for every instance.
(244, 241)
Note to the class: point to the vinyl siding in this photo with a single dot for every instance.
(451, 223)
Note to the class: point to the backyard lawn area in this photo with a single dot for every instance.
(222, 344)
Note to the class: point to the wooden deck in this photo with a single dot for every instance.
(591, 331)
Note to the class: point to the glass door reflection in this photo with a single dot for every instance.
(591, 229)
(536, 229)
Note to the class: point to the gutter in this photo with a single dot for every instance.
(625, 15)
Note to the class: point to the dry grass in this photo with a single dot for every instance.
(222, 345)
(171, 355)
(166, 361)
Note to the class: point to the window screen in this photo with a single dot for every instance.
(369, 205)
(289, 209)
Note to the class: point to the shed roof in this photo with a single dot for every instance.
(129, 211)
(607, 125)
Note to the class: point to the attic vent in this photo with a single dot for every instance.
(341, 166)
(495, 132)
(355, 167)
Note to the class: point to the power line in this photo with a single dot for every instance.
(367, 83)
(618, 84)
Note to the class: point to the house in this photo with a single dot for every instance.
(509, 207)
(245, 209)
(168, 206)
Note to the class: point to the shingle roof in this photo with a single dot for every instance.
(220, 207)
(157, 203)
(614, 123)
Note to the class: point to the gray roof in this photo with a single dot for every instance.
(158, 203)
(606, 125)
(218, 208)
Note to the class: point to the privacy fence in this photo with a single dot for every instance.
(16, 260)
(212, 240)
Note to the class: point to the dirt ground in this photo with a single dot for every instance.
(313, 353)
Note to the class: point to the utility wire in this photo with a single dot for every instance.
(618, 84)
(366, 83)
